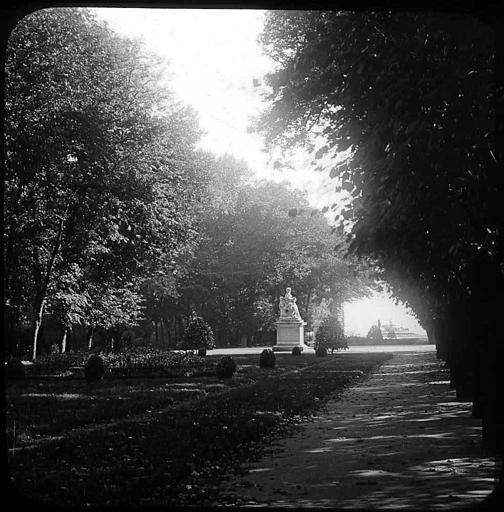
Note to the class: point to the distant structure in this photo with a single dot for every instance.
(400, 333)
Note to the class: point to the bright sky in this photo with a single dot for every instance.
(214, 58)
(362, 314)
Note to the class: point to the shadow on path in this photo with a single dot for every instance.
(398, 439)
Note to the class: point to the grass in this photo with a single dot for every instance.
(162, 441)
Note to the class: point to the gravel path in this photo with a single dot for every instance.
(398, 439)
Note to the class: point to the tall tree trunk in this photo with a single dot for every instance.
(156, 332)
(90, 338)
(36, 330)
(64, 339)
(44, 284)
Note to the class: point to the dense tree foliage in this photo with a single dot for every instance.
(99, 172)
(114, 220)
(412, 97)
(197, 335)
(250, 249)
(330, 335)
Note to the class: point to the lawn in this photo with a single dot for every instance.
(160, 440)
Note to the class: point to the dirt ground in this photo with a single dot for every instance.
(397, 439)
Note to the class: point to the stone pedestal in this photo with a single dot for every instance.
(289, 335)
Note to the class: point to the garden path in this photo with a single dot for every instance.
(397, 439)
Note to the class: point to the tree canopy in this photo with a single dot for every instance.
(412, 97)
(249, 249)
(99, 170)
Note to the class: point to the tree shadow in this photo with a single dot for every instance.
(398, 440)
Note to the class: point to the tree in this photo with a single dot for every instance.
(374, 334)
(330, 335)
(99, 165)
(412, 98)
(251, 247)
(198, 335)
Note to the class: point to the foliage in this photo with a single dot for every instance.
(356, 340)
(198, 335)
(410, 153)
(15, 369)
(128, 362)
(267, 359)
(225, 367)
(412, 100)
(202, 351)
(100, 172)
(94, 370)
(375, 334)
(148, 361)
(297, 350)
(330, 334)
(251, 249)
(57, 362)
(321, 351)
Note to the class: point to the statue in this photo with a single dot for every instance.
(288, 307)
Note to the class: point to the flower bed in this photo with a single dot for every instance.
(135, 362)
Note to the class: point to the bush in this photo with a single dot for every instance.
(267, 359)
(197, 335)
(15, 369)
(57, 362)
(150, 361)
(94, 370)
(330, 335)
(202, 351)
(296, 351)
(375, 334)
(321, 351)
(225, 368)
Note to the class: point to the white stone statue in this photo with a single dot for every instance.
(288, 307)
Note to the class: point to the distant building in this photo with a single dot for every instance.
(400, 333)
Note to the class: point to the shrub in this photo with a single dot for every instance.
(197, 335)
(330, 335)
(57, 362)
(321, 351)
(150, 361)
(375, 334)
(94, 370)
(15, 369)
(296, 351)
(267, 359)
(225, 368)
(202, 351)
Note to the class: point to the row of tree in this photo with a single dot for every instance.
(114, 219)
(413, 98)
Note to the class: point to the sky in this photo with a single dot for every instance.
(214, 60)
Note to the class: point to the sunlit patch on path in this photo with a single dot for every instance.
(398, 439)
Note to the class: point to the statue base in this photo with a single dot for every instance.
(290, 334)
